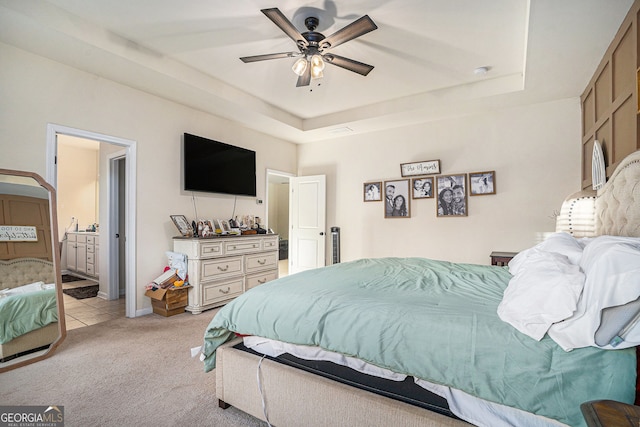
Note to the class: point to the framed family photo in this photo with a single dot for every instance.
(422, 188)
(482, 183)
(452, 195)
(372, 191)
(397, 199)
(183, 226)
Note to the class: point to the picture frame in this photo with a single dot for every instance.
(372, 191)
(224, 224)
(183, 226)
(425, 167)
(452, 195)
(397, 199)
(482, 183)
(422, 188)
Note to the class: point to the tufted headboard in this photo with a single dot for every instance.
(618, 201)
(22, 271)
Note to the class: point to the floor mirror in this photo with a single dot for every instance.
(32, 322)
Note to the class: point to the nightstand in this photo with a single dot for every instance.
(608, 413)
(502, 258)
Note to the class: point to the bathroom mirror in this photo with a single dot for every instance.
(32, 322)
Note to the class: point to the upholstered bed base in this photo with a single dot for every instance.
(294, 397)
(21, 271)
(31, 340)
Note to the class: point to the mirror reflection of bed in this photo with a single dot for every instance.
(32, 322)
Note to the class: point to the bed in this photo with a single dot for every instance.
(28, 310)
(494, 359)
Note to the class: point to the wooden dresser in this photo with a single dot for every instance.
(221, 268)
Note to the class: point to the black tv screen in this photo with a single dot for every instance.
(215, 167)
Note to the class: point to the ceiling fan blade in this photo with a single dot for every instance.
(305, 79)
(356, 29)
(348, 64)
(285, 25)
(256, 58)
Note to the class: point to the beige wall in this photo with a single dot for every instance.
(37, 91)
(534, 150)
(77, 185)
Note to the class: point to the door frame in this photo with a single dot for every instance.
(130, 147)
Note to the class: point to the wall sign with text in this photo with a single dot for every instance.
(18, 233)
(427, 167)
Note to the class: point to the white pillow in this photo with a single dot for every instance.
(562, 243)
(545, 290)
(612, 269)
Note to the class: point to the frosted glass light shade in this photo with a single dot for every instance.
(300, 66)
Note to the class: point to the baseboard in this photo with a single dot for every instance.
(144, 311)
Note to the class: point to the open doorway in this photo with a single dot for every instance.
(277, 210)
(115, 209)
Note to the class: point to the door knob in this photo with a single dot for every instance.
(322, 233)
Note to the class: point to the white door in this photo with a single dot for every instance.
(307, 215)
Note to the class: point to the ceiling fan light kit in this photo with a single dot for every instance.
(312, 46)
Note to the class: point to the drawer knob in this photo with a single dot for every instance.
(261, 281)
(262, 261)
(226, 267)
(226, 291)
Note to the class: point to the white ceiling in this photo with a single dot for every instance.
(424, 53)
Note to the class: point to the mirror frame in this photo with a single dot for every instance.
(55, 247)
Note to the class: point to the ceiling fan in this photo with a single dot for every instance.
(313, 46)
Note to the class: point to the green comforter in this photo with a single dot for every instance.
(433, 320)
(26, 312)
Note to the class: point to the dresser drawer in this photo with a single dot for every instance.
(90, 257)
(91, 240)
(260, 278)
(241, 246)
(210, 249)
(220, 291)
(91, 248)
(216, 268)
(270, 243)
(263, 261)
(90, 270)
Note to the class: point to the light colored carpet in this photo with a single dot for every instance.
(127, 372)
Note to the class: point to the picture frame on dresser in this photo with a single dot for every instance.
(183, 226)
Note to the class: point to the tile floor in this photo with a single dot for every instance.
(89, 311)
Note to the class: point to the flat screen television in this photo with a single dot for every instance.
(215, 167)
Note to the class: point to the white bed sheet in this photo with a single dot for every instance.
(465, 406)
